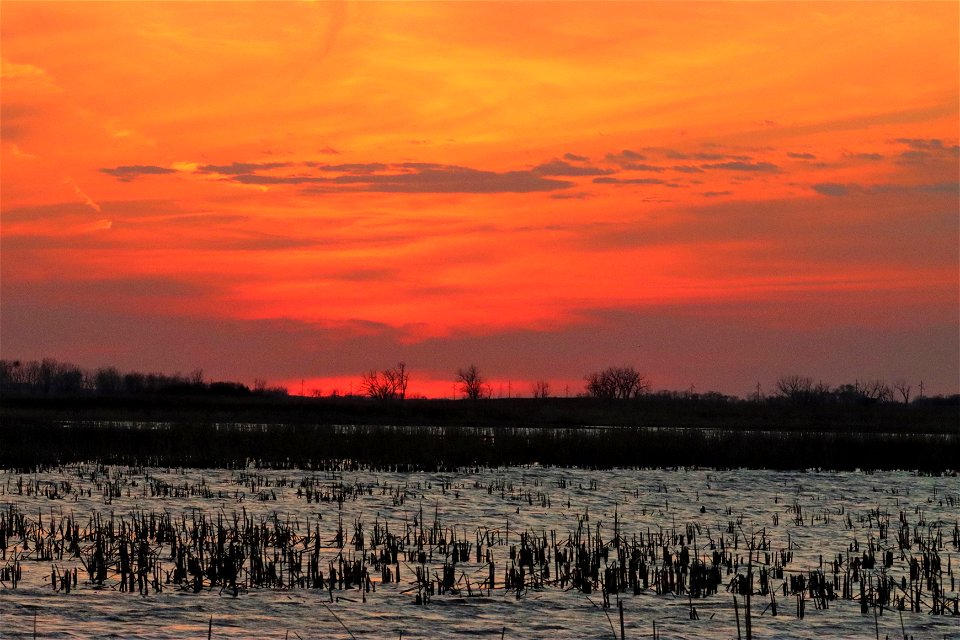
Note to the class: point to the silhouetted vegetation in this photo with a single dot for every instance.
(616, 382)
(540, 389)
(389, 384)
(51, 377)
(131, 417)
(141, 553)
(473, 385)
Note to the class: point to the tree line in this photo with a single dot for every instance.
(51, 377)
(625, 382)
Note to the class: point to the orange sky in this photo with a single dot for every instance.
(716, 194)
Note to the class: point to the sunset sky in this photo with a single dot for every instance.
(716, 194)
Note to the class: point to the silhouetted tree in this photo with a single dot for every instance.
(389, 384)
(472, 384)
(901, 387)
(541, 389)
(875, 390)
(794, 387)
(616, 382)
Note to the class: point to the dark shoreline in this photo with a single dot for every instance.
(934, 415)
(647, 432)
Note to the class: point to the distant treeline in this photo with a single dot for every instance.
(49, 377)
(54, 413)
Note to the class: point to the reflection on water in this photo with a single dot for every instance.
(810, 520)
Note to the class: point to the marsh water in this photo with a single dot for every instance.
(455, 530)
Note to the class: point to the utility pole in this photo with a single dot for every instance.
(921, 389)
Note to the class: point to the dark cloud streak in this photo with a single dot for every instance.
(767, 167)
(127, 173)
(561, 168)
(238, 168)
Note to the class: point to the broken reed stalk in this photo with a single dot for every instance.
(736, 612)
(623, 635)
(876, 623)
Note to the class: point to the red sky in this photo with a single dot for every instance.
(716, 194)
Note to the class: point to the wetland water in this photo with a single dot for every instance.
(159, 552)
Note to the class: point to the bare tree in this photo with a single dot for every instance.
(541, 389)
(794, 387)
(399, 377)
(472, 384)
(901, 387)
(389, 384)
(876, 390)
(616, 382)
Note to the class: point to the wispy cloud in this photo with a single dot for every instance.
(130, 172)
(561, 168)
(641, 166)
(237, 168)
(872, 157)
(625, 156)
(87, 200)
(430, 178)
(404, 177)
(768, 167)
(924, 150)
(838, 189)
(632, 181)
(834, 189)
(927, 144)
(359, 168)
